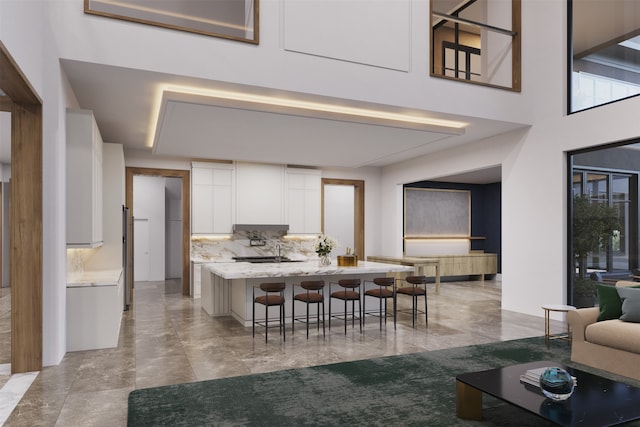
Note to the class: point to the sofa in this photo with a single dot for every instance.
(600, 336)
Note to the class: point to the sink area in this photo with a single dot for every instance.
(264, 259)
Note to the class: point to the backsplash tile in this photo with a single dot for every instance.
(221, 250)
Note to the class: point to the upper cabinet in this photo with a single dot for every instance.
(259, 193)
(84, 180)
(223, 194)
(212, 198)
(303, 200)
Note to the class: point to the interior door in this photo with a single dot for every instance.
(339, 216)
(343, 214)
(141, 250)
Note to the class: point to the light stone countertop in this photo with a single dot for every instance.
(94, 278)
(245, 270)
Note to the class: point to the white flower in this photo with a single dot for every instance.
(324, 244)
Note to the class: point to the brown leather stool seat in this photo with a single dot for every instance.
(350, 292)
(314, 295)
(417, 288)
(273, 296)
(383, 293)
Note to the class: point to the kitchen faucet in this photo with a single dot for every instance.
(278, 247)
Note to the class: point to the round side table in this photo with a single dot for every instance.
(548, 308)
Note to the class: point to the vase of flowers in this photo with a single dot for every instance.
(323, 247)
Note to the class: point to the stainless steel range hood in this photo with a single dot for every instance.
(261, 227)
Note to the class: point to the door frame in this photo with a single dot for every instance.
(25, 215)
(358, 211)
(186, 218)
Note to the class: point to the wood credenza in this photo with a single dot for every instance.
(472, 264)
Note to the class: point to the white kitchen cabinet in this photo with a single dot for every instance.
(259, 193)
(304, 200)
(84, 180)
(94, 310)
(212, 198)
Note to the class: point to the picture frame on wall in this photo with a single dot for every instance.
(230, 19)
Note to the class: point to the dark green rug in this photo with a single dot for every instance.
(414, 389)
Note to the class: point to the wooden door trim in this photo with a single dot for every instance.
(186, 217)
(358, 211)
(25, 216)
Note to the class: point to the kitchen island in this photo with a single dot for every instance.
(227, 288)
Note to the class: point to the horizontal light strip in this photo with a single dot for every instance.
(297, 104)
(198, 237)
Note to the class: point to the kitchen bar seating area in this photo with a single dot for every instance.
(230, 289)
(351, 292)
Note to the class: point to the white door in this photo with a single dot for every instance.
(339, 216)
(140, 250)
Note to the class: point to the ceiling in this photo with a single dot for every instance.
(126, 106)
(125, 103)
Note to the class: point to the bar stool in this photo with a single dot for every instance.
(267, 299)
(314, 295)
(350, 292)
(417, 289)
(383, 293)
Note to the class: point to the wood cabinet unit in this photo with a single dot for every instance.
(84, 180)
(476, 264)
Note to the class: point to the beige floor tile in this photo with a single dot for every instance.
(167, 339)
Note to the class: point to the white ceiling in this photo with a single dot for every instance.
(123, 101)
(195, 127)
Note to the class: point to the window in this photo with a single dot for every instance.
(476, 41)
(229, 19)
(603, 221)
(604, 46)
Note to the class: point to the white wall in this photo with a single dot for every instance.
(36, 54)
(270, 65)
(534, 172)
(149, 205)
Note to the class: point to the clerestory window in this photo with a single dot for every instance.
(477, 41)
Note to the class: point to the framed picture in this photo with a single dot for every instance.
(229, 19)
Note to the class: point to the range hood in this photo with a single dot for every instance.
(260, 227)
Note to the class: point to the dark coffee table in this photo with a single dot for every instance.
(596, 401)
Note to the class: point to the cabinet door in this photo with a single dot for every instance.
(259, 193)
(303, 201)
(84, 180)
(212, 198)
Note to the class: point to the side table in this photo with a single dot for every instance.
(548, 308)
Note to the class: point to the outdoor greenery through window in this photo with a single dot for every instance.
(604, 219)
(604, 62)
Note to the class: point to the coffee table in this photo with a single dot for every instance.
(596, 401)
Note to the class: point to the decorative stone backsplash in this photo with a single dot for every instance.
(76, 259)
(212, 249)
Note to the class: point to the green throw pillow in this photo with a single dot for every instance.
(609, 302)
(630, 304)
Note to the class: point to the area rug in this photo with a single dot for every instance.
(413, 389)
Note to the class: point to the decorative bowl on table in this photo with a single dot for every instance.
(557, 384)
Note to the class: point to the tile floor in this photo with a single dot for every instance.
(168, 339)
